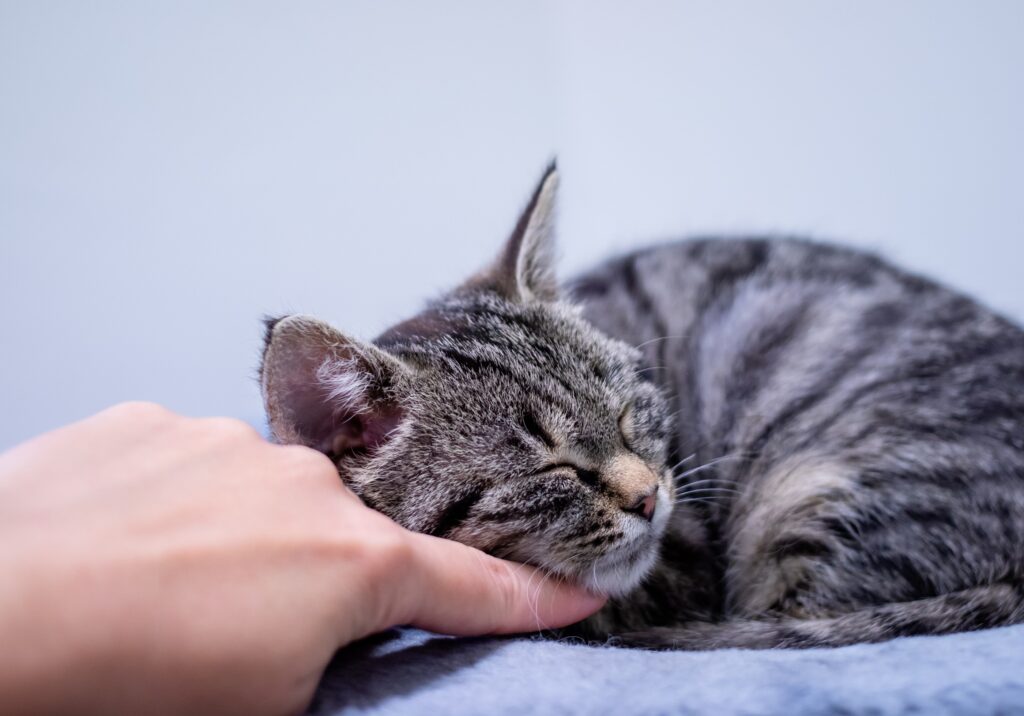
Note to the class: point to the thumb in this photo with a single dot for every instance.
(455, 589)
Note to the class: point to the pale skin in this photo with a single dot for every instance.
(152, 563)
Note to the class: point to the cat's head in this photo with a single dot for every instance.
(497, 417)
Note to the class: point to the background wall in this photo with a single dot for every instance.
(169, 172)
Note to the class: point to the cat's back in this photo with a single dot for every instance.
(739, 329)
(677, 283)
(693, 285)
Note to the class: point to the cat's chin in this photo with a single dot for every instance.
(621, 570)
(617, 574)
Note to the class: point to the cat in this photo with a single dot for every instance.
(764, 442)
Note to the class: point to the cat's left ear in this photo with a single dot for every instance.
(525, 269)
(329, 391)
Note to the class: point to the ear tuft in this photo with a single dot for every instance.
(327, 391)
(525, 270)
(346, 385)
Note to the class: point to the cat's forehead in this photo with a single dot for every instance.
(517, 353)
(540, 333)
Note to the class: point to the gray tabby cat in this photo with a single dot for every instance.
(747, 443)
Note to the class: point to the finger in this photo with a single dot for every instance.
(455, 589)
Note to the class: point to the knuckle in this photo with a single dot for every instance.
(309, 462)
(230, 428)
(392, 552)
(400, 550)
(140, 410)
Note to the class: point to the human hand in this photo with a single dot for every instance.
(161, 564)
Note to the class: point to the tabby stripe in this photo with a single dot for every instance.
(550, 359)
(756, 364)
(455, 514)
(724, 278)
(921, 372)
(476, 364)
(635, 288)
(799, 546)
(818, 393)
(903, 566)
(544, 509)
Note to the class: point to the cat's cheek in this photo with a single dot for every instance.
(379, 494)
(481, 537)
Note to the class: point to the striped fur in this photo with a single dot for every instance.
(833, 448)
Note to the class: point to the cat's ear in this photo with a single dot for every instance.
(525, 269)
(327, 391)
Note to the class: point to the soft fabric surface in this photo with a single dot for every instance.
(416, 673)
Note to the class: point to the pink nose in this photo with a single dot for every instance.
(644, 507)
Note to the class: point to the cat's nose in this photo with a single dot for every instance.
(644, 507)
(636, 484)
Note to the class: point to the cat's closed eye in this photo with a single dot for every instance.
(627, 426)
(590, 478)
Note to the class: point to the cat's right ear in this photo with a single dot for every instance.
(327, 391)
(525, 269)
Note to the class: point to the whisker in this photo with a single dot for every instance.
(711, 463)
(708, 493)
(728, 456)
(702, 500)
(683, 462)
(655, 340)
(532, 601)
(723, 480)
(708, 489)
(650, 367)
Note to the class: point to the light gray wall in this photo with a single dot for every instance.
(170, 172)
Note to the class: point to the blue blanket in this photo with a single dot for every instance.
(410, 672)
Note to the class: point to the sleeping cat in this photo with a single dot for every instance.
(745, 442)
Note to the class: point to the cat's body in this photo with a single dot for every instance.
(863, 431)
(842, 443)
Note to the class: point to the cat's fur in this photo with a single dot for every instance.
(833, 449)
